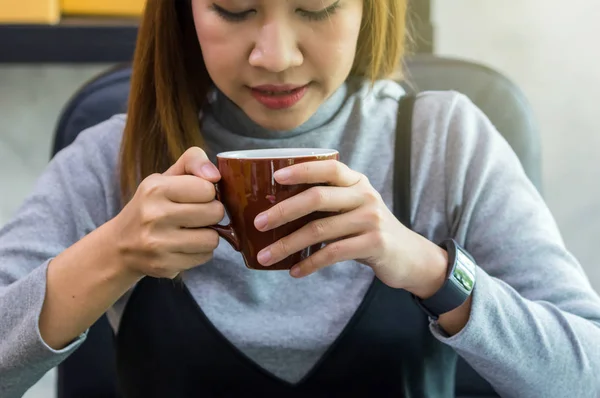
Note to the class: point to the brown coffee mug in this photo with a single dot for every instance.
(248, 188)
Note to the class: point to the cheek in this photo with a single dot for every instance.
(348, 35)
(336, 47)
(215, 39)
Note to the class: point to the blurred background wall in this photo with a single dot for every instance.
(548, 47)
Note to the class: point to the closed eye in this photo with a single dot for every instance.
(321, 14)
(230, 15)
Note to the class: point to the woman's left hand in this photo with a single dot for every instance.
(362, 229)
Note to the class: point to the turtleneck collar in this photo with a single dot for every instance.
(234, 120)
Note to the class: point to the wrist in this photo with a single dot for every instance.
(450, 305)
(71, 308)
(117, 254)
(431, 270)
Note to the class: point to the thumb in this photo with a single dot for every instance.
(194, 162)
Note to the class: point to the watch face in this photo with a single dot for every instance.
(464, 272)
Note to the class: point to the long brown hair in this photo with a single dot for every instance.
(170, 83)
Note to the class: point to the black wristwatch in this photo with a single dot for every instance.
(459, 284)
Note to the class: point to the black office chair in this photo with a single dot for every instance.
(90, 371)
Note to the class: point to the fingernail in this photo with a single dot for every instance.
(210, 171)
(295, 272)
(264, 257)
(261, 221)
(282, 175)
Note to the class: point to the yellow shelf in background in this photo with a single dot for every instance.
(102, 7)
(29, 11)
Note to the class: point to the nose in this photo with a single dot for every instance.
(276, 48)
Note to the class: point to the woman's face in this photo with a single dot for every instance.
(278, 60)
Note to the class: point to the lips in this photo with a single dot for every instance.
(277, 92)
(277, 97)
(274, 89)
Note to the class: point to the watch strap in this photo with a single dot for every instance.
(459, 284)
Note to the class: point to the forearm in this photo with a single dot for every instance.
(45, 311)
(520, 345)
(515, 343)
(82, 283)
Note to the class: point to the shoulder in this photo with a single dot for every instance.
(456, 153)
(442, 120)
(91, 162)
(435, 105)
(447, 125)
(436, 113)
(448, 111)
(79, 189)
(444, 112)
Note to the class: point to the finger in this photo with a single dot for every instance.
(195, 162)
(189, 189)
(328, 199)
(192, 241)
(171, 265)
(316, 232)
(181, 250)
(358, 247)
(194, 215)
(189, 261)
(329, 172)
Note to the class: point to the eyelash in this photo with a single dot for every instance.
(231, 16)
(310, 15)
(321, 15)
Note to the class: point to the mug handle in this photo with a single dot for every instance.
(226, 231)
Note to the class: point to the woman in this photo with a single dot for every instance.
(128, 205)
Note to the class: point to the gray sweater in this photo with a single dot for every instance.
(534, 329)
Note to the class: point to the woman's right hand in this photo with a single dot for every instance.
(163, 230)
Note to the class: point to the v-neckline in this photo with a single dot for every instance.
(247, 361)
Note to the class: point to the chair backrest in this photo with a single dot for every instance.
(90, 371)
